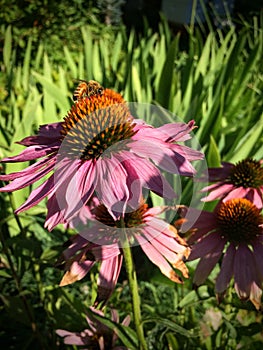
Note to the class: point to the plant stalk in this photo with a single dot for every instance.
(133, 284)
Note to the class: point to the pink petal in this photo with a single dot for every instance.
(217, 193)
(244, 271)
(207, 244)
(27, 180)
(167, 241)
(187, 152)
(201, 220)
(155, 256)
(80, 188)
(177, 131)
(46, 132)
(37, 195)
(258, 255)
(220, 174)
(29, 170)
(255, 195)
(150, 176)
(111, 187)
(238, 192)
(32, 152)
(207, 263)
(108, 276)
(226, 271)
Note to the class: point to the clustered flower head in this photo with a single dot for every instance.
(95, 166)
(97, 336)
(99, 149)
(232, 234)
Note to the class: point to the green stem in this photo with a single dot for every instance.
(132, 279)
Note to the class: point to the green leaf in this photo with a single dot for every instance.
(172, 326)
(7, 50)
(126, 334)
(163, 93)
(213, 154)
(54, 92)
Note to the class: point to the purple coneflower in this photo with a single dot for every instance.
(233, 232)
(97, 336)
(241, 180)
(99, 148)
(158, 240)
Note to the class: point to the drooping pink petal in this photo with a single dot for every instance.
(108, 277)
(150, 177)
(80, 188)
(220, 174)
(244, 271)
(239, 192)
(111, 188)
(37, 195)
(177, 131)
(46, 135)
(226, 270)
(170, 255)
(29, 170)
(195, 218)
(156, 257)
(32, 152)
(207, 263)
(255, 195)
(167, 241)
(258, 255)
(29, 179)
(187, 152)
(218, 191)
(207, 244)
(76, 272)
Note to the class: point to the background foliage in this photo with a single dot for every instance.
(213, 76)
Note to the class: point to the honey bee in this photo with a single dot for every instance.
(87, 89)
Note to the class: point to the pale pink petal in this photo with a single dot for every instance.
(187, 152)
(217, 193)
(170, 255)
(238, 192)
(255, 195)
(226, 270)
(155, 256)
(167, 241)
(177, 131)
(108, 277)
(207, 263)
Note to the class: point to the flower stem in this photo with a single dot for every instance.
(132, 279)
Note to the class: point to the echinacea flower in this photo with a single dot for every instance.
(81, 255)
(97, 336)
(241, 180)
(233, 232)
(158, 240)
(99, 149)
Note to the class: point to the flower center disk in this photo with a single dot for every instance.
(247, 173)
(239, 220)
(96, 123)
(133, 219)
